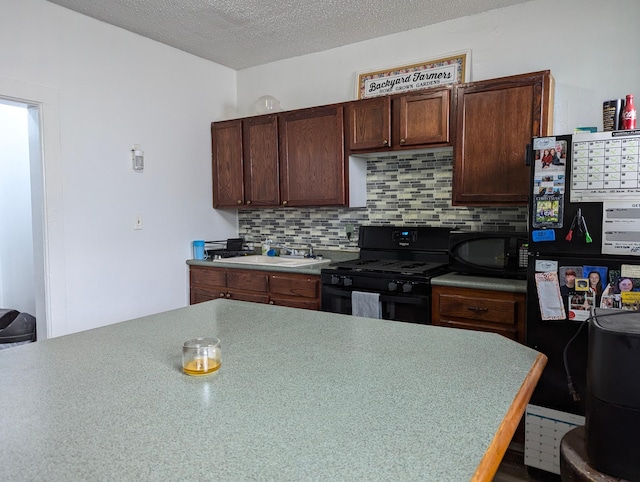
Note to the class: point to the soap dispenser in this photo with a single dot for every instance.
(266, 246)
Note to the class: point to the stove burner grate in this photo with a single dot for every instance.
(390, 266)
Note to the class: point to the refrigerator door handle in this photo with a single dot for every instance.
(528, 156)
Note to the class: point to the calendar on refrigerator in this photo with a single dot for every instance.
(605, 166)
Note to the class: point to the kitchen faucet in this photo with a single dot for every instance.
(294, 252)
(282, 247)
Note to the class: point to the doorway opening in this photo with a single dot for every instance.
(22, 272)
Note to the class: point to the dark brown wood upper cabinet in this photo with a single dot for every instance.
(423, 118)
(407, 121)
(312, 158)
(227, 168)
(298, 158)
(495, 120)
(293, 158)
(369, 123)
(245, 162)
(261, 161)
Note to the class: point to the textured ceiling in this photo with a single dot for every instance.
(245, 33)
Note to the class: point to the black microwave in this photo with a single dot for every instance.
(489, 253)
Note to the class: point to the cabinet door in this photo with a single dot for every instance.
(369, 123)
(226, 148)
(422, 118)
(294, 290)
(261, 166)
(312, 159)
(206, 284)
(496, 119)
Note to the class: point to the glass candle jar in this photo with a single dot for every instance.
(201, 356)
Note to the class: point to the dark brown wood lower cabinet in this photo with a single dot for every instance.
(483, 310)
(295, 290)
(284, 289)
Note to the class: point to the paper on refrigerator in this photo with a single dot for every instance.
(621, 228)
(549, 297)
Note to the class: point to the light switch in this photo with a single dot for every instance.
(137, 157)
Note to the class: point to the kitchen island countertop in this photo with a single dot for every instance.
(301, 395)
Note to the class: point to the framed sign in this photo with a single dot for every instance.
(451, 69)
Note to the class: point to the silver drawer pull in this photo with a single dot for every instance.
(478, 309)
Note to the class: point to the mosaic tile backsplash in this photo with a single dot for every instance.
(402, 189)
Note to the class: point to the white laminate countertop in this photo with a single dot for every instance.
(330, 257)
(480, 282)
(301, 395)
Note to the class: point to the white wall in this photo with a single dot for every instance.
(104, 89)
(590, 46)
(113, 89)
(17, 288)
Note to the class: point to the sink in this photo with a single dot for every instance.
(283, 261)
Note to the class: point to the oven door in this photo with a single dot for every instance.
(396, 306)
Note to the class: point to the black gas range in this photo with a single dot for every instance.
(391, 279)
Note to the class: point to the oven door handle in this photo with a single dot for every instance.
(404, 298)
(328, 290)
(333, 291)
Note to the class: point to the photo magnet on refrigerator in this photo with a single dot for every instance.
(546, 265)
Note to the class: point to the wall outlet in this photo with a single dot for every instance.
(349, 231)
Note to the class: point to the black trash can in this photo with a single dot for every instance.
(16, 327)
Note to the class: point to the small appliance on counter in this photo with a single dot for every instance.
(613, 394)
(229, 248)
(501, 254)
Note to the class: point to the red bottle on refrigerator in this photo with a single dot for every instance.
(629, 114)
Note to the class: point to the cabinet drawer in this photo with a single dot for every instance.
(244, 296)
(484, 310)
(294, 286)
(504, 330)
(303, 303)
(464, 307)
(207, 276)
(247, 280)
(199, 295)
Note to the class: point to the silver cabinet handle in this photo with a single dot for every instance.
(478, 309)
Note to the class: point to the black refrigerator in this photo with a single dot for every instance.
(579, 184)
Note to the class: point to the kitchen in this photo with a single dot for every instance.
(119, 274)
(176, 201)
